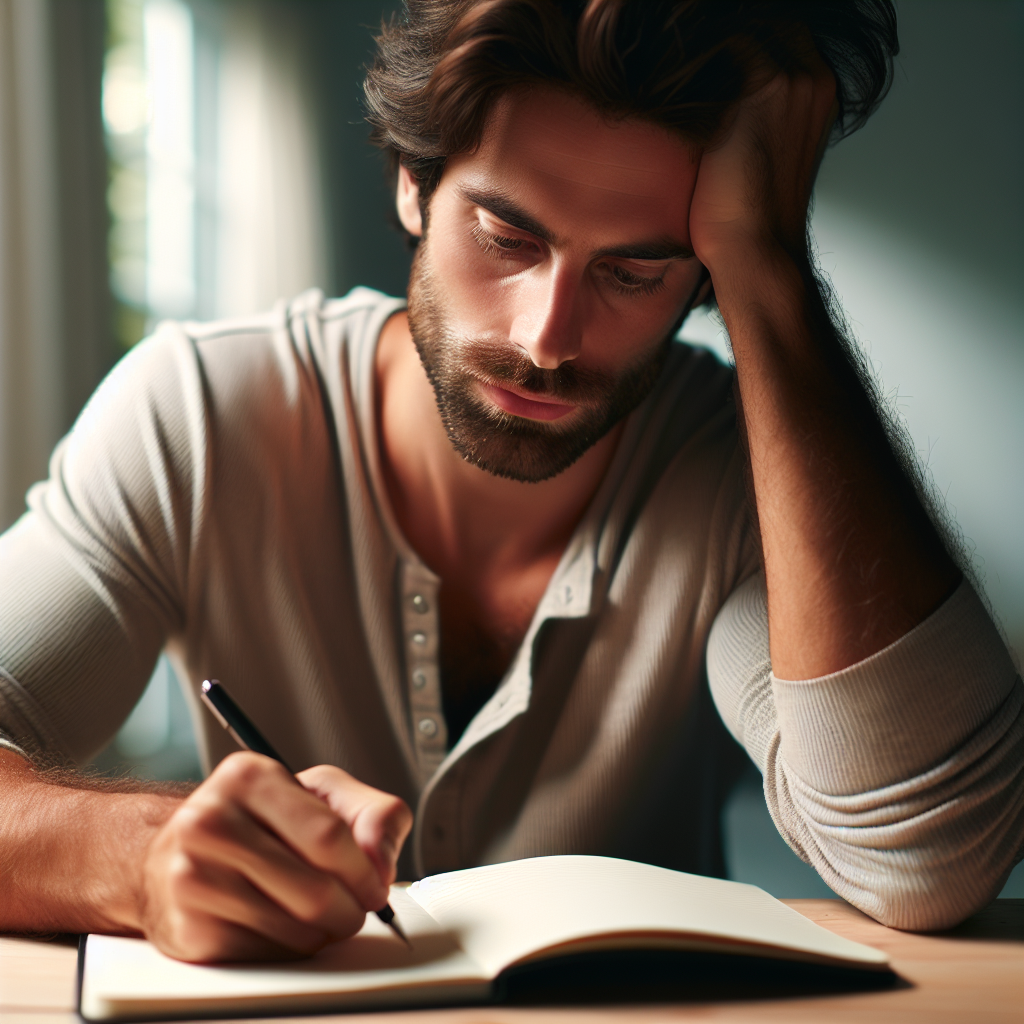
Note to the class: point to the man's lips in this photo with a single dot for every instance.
(530, 408)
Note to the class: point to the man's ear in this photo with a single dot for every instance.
(407, 202)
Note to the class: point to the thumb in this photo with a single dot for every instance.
(380, 822)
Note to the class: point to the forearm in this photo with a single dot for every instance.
(852, 560)
(72, 858)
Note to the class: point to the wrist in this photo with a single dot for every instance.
(764, 289)
(126, 827)
(750, 245)
(73, 856)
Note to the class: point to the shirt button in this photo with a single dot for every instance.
(419, 679)
(427, 726)
(419, 639)
(419, 604)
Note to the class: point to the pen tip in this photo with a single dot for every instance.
(387, 915)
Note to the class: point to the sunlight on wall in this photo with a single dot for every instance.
(268, 209)
(171, 159)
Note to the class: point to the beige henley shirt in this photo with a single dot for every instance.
(220, 498)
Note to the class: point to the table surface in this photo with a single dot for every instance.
(972, 973)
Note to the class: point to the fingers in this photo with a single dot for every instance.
(755, 184)
(793, 108)
(228, 836)
(301, 820)
(253, 864)
(212, 914)
(380, 822)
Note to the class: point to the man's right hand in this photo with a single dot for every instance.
(250, 865)
(259, 864)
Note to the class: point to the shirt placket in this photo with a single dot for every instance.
(421, 633)
(437, 839)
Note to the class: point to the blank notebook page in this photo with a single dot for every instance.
(502, 913)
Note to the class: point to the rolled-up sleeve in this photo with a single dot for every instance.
(900, 778)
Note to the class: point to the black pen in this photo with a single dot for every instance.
(235, 720)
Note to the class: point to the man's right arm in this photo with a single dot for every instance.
(93, 581)
(90, 579)
(72, 857)
(254, 864)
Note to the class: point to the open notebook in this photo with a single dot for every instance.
(466, 928)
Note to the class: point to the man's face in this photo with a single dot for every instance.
(556, 264)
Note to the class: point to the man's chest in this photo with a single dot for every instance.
(483, 620)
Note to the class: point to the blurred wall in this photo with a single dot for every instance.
(365, 249)
(262, 232)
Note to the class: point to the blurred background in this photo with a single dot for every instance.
(204, 158)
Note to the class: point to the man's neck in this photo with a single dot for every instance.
(460, 519)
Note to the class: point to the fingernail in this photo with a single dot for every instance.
(387, 848)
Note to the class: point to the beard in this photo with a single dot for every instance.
(496, 441)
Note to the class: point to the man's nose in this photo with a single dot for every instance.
(548, 324)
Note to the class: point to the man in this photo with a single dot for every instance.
(474, 553)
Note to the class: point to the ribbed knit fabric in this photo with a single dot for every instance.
(900, 778)
(221, 497)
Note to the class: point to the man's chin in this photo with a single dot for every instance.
(525, 465)
(517, 448)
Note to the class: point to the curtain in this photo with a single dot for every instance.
(55, 336)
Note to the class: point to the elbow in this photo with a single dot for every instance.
(927, 912)
(921, 854)
(918, 896)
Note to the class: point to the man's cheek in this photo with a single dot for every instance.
(477, 303)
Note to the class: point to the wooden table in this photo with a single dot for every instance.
(974, 973)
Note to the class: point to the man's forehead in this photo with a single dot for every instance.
(557, 135)
(556, 161)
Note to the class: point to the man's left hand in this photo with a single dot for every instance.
(754, 186)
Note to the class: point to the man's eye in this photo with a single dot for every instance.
(496, 245)
(623, 276)
(633, 284)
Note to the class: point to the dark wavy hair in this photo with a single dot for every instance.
(678, 63)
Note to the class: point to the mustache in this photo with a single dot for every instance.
(504, 364)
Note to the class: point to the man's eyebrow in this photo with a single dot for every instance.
(508, 210)
(656, 249)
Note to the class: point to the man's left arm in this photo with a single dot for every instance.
(899, 778)
(852, 559)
